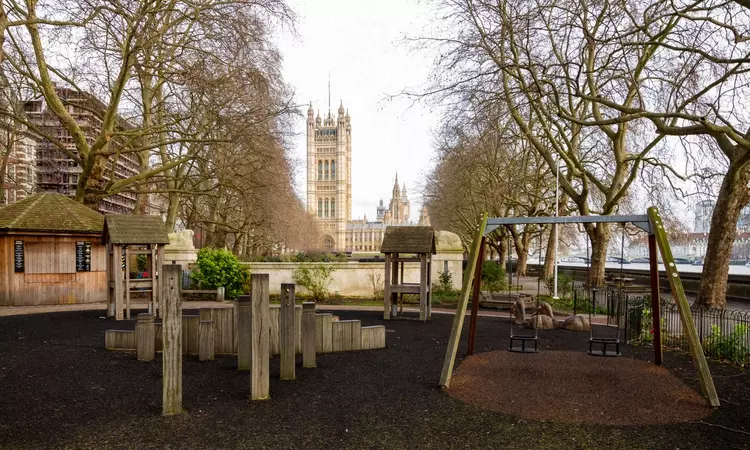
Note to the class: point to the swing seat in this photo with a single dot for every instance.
(518, 344)
(606, 346)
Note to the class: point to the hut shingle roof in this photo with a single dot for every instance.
(129, 229)
(50, 212)
(408, 240)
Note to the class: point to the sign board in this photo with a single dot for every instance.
(18, 259)
(83, 256)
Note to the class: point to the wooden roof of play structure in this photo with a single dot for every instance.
(125, 229)
(408, 240)
(50, 213)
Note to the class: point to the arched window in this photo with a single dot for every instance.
(326, 208)
(333, 170)
(333, 207)
(320, 170)
(326, 170)
(320, 207)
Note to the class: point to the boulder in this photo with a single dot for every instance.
(518, 310)
(545, 309)
(540, 322)
(576, 323)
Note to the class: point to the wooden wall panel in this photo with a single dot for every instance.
(67, 287)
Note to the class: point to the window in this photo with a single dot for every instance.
(320, 170)
(326, 165)
(333, 170)
(320, 207)
(326, 208)
(333, 207)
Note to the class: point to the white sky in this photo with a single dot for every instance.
(359, 43)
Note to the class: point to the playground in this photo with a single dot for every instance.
(61, 388)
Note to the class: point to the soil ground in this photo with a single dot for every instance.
(61, 389)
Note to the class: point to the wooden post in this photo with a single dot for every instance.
(159, 279)
(145, 339)
(423, 287)
(475, 298)
(110, 282)
(458, 320)
(655, 300)
(117, 269)
(260, 337)
(288, 333)
(308, 334)
(688, 325)
(394, 277)
(244, 317)
(127, 283)
(172, 341)
(220, 293)
(429, 286)
(154, 287)
(387, 288)
(205, 340)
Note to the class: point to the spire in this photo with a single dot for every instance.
(329, 90)
(341, 110)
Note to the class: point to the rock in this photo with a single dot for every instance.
(518, 310)
(540, 322)
(576, 323)
(334, 318)
(545, 309)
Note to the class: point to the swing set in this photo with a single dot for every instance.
(607, 346)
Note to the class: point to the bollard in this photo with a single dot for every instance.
(144, 337)
(205, 340)
(309, 333)
(287, 344)
(259, 338)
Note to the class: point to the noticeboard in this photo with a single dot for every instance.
(83, 256)
(18, 258)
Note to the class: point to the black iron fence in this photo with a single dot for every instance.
(724, 333)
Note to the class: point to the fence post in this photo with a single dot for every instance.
(171, 340)
(260, 338)
(220, 293)
(244, 314)
(309, 333)
(287, 344)
(144, 336)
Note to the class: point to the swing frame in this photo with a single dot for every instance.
(652, 224)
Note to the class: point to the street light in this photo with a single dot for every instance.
(557, 203)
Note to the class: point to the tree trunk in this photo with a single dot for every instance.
(172, 209)
(599, 236)
(733, 196)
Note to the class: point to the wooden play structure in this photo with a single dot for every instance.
(249, 328)
(650, 223)
(129, 238)
(407, 245)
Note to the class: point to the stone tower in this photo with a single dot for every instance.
(329, 175)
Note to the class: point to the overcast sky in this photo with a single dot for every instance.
(359, 43)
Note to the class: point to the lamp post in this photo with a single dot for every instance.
(557, 203)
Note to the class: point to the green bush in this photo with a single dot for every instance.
(442, 291)
(315, 279)
(564, 284)
(493, 277)
(732, 347)
(219, 267)
(319, 257)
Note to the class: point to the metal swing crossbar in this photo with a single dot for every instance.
(657, 242)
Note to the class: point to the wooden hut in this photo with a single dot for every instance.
(127, 237)
(51, 252)
(403, 245)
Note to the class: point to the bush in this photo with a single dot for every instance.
(442, 291)
(315, 279)
(493, 277)
(378, 288)
(319, 257)
(219, 267)
(732, 348)
(564, 284)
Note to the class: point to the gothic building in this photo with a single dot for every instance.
(329, 175)
(329, 188)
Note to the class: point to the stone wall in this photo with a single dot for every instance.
(353, 279)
